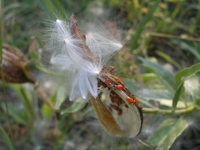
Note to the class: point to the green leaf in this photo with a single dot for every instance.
(197, 101)
(168, 58)
(6, 138)
(186, 73)
(161, 95)
(187, 47)
(17, 114)
(167, 133)
(76, 106)
(148, 76)
(60, 97)
(177, 95)
(26, 98)
(46, 111)
(165, 76)
(181, 77)
(142, 24)
(155, 93)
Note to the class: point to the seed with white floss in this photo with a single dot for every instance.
(68, 55)
(83, 57)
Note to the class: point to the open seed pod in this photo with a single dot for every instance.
(85, 56)
(121, 114)
(12, 68)
(125, 120)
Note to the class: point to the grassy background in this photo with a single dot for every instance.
(159, 63)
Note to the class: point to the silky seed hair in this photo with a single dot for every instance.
(81, 55)
(84, 55)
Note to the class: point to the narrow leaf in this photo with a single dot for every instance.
(76, 106)
(166, 77)
(17, 114)
(197, 101)
(168, 58)
(142, 24)
(186, 73)
(167, 133)
(46, 111)
(181, 77)
(187, 47)
(60, 97)
(6, 138)
(177, 95)
(26, 98)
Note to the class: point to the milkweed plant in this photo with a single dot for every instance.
(157, 108)
(80, 56)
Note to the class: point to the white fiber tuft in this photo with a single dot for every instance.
(69, 56)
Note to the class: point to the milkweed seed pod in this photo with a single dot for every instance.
(84, 57)
(12, 67)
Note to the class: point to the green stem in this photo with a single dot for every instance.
(163, 35)
(40, 68)
(168, 112)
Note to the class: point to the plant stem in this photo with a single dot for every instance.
(163, 35)
(43, 96)
(168, 112)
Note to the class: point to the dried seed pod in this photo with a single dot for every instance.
(12, 68)
(84, 55)
(123, 117)
(106, 118)
(124, 108)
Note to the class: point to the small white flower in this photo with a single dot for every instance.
(68, 56)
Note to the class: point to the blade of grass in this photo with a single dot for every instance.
(165, 76)
(142, 25)
(187, 47)
(26, 98)
(176, 96)
(6, 138)
(168, 58)
(17, 114)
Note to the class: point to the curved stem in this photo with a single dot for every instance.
(43, 96)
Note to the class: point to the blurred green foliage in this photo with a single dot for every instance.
(160, 58)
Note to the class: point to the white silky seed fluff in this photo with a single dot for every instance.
(67, 56)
